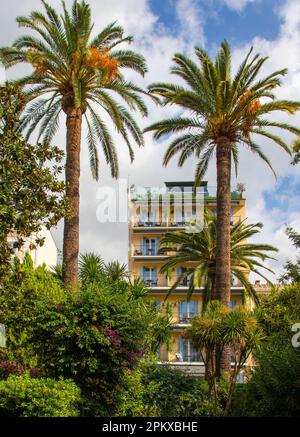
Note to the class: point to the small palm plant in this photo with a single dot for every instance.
(200, 249)
(222, 113)
(219, 328)
(115, 271)
(81, 77)
(91, 268)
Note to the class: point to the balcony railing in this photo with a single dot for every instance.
(175, 223)
(160, 224)
(161, 194)
(146, 251)
(163, 281)
(185, 282)
(158, 281)
(186, 318)
(194, 357)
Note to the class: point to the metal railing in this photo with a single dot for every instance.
(174, 223)
(159, 281)
(184, 318)
(145, 250)
(160, 224)
(191, 358)
(145, 194)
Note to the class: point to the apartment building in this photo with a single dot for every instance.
(154, 211)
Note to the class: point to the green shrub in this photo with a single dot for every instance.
(20, 291)
(33, 397)
(274, 389)
(92, 337)
(159, 390)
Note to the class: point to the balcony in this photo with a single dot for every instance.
(162, 194)
(145, 250)
(185, 282)
(186, 319)
(191, 358)
(160, 224)
(175, 224)
(155, 281)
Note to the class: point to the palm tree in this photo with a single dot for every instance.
(74, 74)
(200, 249)
(115, 271)
(222, 112)
(91, 267)
(218, 328)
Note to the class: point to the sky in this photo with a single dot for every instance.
(161, 28)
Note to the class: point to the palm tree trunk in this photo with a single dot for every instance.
(223, 271)
(71, 225)
(213, 288)
(223, 221)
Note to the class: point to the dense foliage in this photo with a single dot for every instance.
(292, 269)
(238, 330)
(155, 390)
(91, 337)
(38, 397)
(274, 389)
(20, 292)
(31, 193)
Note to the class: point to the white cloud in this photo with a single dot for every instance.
(237, 5)
(158, 44)
(190, 16)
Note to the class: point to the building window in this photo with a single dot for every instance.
(187, 351)
(149, 275)
(186, 281)
(187, 310)
(150, 246)
(232, 304)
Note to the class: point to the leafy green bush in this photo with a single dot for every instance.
(91, 336)
(33, 397)
(132, 398)
(159, 390)
(274, 389)
(20, 291)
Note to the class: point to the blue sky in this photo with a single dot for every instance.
(220, 21)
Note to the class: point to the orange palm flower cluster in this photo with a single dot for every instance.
(35, 58)
(40, 67)
(101, 59)
(254, 105)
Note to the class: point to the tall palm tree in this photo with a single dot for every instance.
(222, 113)
(80, 76)
(200, 249)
